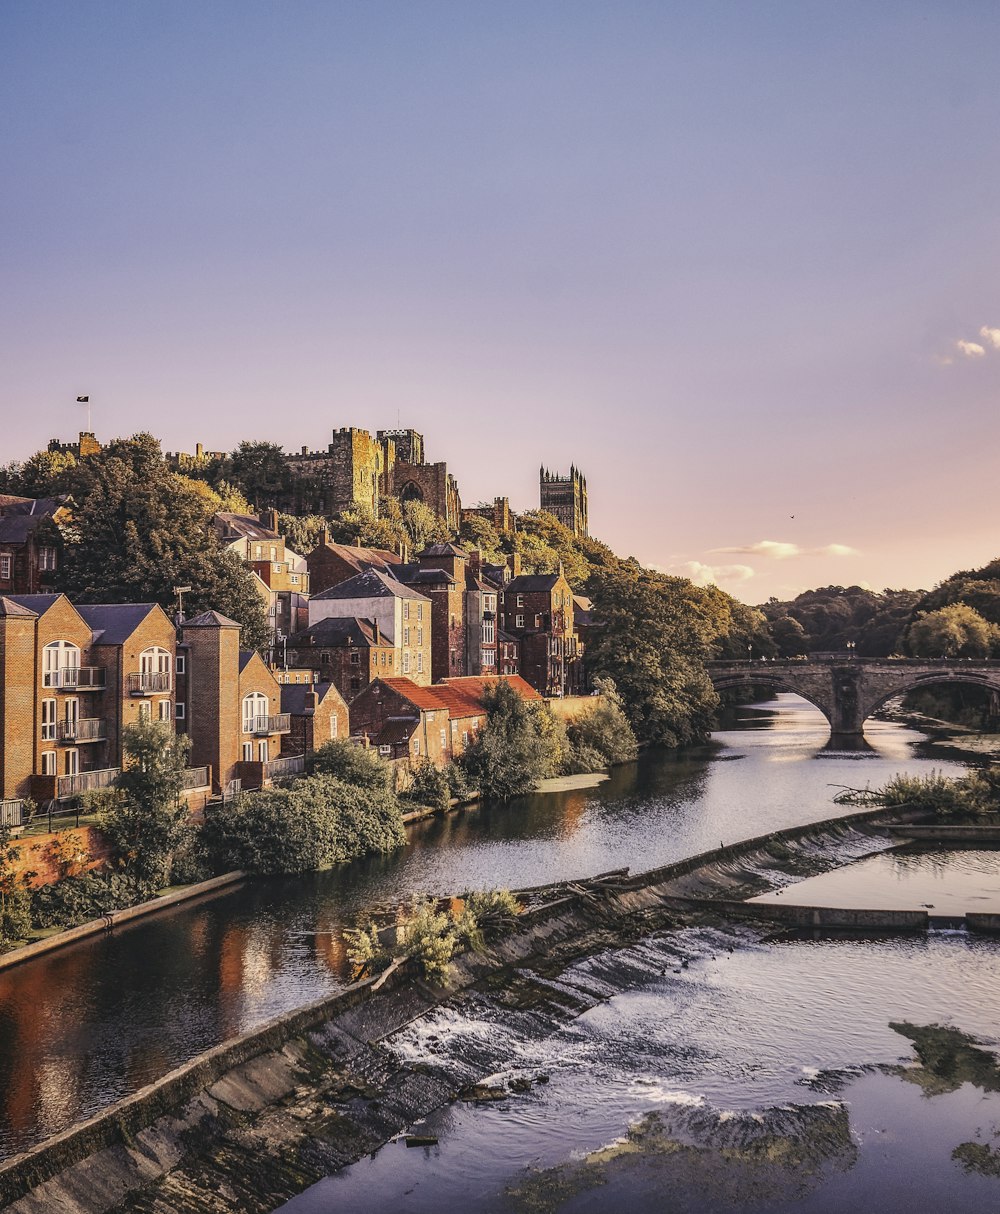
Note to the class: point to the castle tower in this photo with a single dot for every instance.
(565, 497)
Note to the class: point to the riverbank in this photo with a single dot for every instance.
(256, 1120)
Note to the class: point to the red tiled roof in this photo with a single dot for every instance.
(421, 697)
(474, 685)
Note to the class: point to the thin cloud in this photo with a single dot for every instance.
(971, 349)
(712, 575)
(779, 550)
(992, 336)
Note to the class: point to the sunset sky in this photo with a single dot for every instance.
(740, 262)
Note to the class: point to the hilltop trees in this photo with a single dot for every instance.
(955, 631)
(140, 529)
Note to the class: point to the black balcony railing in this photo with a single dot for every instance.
(75, 678)
(149, 682)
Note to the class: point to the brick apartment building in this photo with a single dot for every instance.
(281, 575)
(537, 610)
(345, 651)
(30, 542)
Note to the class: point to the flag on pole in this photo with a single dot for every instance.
(83, 400)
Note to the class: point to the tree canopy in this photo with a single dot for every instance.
(139, 530)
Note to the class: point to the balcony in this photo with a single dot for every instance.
(61, 788)
(292, 765)
(265, 726)
(87, 729)
(196, 777)
(149, 683)
(75, 678)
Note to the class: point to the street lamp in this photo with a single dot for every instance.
(850, 648)
(749, 651)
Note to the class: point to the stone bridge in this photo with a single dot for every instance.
(847, 690)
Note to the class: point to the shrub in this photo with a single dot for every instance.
(358, 765)
(584, 759)
(80, 899)
(430, 787)
(15, 915)
(509, 754)
(604, 729)
(316, 822)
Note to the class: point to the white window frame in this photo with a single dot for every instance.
(179, 663)
(46, 557)
(519, 621)
(49, 760)
(180, 710)
(248, 752)
(166, 710)
(6, 566)
(48, 721)
(72, 762)
(262, 750)
(420, 663)
(255, 710)
(58, 657)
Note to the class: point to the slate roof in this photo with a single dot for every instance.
(293, 696)
(532, 583)
(371, 584)
(210, 619)
(38, 603)
(360, 559)
(337, 630)
(396, 730)
(9, 607)
(20, 516)
(448, 549)
(114, 623)
(246, 526)
(413, 575)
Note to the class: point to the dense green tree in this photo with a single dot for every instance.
(509, 755)
(603, 729)
(832, 616)
(477, 532)
(423, 526)
(302, 534)
(140, 530)
(260, 472)
(955, 631)
(150, 819)
(357, 765)
(655, 632)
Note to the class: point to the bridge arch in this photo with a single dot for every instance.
(968, 679)
(775, 682)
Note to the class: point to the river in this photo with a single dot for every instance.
(85, 1026)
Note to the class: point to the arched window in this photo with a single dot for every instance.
(60, 664)
(154, 669)
(255, 713)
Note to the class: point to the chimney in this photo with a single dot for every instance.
(325, 536)
(270, 519)
(311, 702)
(378, 634)
(514, 564)
(476, 561)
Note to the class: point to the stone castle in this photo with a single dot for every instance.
(356, 470)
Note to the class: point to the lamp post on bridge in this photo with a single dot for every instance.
(850, 648)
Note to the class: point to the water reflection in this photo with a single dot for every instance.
(88, 1025)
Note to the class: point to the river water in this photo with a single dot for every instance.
(94, 1022)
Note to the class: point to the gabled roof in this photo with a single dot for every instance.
(294, 696)
(114, 623)
(532, 583)
(338, 630)
(21, 516)
(38, 603)
(360, 558)
(210, 619)
(459, 700)
(476, 684)
(421, 697)
(371, 584)
(414, 575)
(7, 500)
(243, 526)
(9, 607)
(448, 549)
(396, 730)
(246, 657)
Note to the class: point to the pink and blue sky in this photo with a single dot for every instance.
(738, 261)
